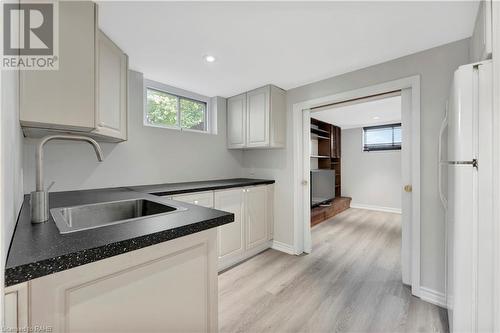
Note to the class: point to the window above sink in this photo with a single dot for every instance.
(173, 108)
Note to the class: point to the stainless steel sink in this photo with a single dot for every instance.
(77, 218)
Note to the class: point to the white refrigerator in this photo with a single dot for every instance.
(465, 176)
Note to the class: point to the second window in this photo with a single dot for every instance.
(383, 137)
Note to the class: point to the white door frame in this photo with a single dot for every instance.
(496, 161)
(301, 212)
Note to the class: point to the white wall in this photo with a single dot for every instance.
(11, 175)
(151, 155)
(435, 67)
(371, 179)
(11, 190)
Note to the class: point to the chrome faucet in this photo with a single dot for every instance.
(40, 198)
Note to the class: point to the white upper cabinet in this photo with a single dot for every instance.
(236, 121)
(88, 94)
(481, 40)
(257, 119)
(64, 98)
(112, 70)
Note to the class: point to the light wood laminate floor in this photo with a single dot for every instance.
(351, 282)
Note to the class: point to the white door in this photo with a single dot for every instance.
(205, 199)
(256, 216)
(231, 235)
(236, 121)
(258, 117)
(406, 200)
(306, 177)
(112, 68)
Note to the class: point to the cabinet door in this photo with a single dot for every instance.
(205, 199)
(111, 89)
(167, 287)
(16, 307)
(256, 218)
(231, 235)
(258, 117)
(65, 98)
(270, 210)
(236, 121)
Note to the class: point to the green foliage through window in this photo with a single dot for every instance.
(164, 109)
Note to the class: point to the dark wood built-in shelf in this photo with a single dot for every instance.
(323, 213)
(329, 157)
(320, 137)
(319, 131)
(329, 149)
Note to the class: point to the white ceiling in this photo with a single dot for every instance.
(285, 43)
(388, 111)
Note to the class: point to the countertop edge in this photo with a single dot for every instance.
(194, 189)
(27, 272)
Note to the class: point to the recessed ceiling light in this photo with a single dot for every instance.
(209, 58)
(376, 118)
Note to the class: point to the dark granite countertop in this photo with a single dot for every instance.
(208, 185)
(37, 250)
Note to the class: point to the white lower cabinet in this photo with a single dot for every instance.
(257, 230)
(231, 236)
(251, 232)
(252, 229)
(167, 287)
(205, 199)
(16, 308)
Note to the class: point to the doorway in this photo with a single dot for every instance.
(409, 89)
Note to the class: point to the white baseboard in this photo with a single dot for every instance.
(377, 208)
(433, 297)
(279, 246)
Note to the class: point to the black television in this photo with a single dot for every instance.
(322, 186)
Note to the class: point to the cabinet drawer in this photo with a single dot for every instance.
(205, 199)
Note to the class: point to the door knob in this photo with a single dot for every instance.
(408, 188)
(304, 182)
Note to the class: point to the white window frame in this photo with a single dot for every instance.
(161, 87)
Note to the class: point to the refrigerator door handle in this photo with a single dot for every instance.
(444, 202)
(472, 162)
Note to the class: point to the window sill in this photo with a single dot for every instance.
(180, 129)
